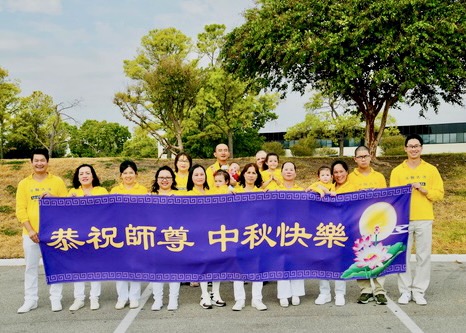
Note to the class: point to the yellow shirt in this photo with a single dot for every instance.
(429, 177)
(78, 192)
(294, 188)
(195, 191)
(370, 181)
(27, 197)
(241, 189)
(224, 189)
(316, 188)
(137, 189)
(266, 175)
(172, 192)
(181, 182)
(346, 187)
(210, 172)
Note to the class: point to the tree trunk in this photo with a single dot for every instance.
(230, 142)
(341, 145)
(369, 136)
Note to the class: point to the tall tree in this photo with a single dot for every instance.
(9, 101)
(374, 54)
(165, 86)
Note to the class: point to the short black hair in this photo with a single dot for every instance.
(40, 151)
(128, 164)
(413, 136)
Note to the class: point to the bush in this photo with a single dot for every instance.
(392, 145)
(304, 147)
(326, 151)
(274, 147)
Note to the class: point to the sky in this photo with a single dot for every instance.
(74, 50)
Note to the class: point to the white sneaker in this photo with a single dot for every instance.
(295, 300)
(284, 302)
(322, 299)
(56, 305)
(95, 303)
(27, 306)
(77, 304)
(256, 303)
(134, 304)
(340, 300)
(120, 305)
(239, 305)
(419, 299)
(157, 306)
(206, 303)
(404, 298)
(172, 305)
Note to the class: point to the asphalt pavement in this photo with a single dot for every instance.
(445, 311)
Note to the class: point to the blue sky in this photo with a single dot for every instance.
(74, 49)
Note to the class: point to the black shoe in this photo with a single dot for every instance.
(366, 298)
(381, 299)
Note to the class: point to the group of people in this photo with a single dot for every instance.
(223, 177)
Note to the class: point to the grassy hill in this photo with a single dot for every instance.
(449, 226)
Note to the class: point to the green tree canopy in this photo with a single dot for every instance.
(374, 54)
(9, 101)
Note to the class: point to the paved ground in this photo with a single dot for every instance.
(445, 312)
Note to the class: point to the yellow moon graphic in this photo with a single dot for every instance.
(380, 214)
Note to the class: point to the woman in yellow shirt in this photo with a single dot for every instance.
(165, 184)
(86, 183)
(128, 185)
(339, 171)
(183, 163)
(250, 180)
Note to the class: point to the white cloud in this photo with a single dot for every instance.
(52, 7)
(11, 41)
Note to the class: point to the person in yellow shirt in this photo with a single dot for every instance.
(165, 184)
(222, 183)
(86, 183)
(339, 170)
(183, 163)
(128, 185)
(364, 177)
(289, 288)
(250, 180)
(427, 187)
(325, 184)
(222, 154)
(260, 158)
(30, 190)
(271, 174)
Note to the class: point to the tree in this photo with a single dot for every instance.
(39, 120)
(141, 145)
(165, 86)
(374, 54)
(327, 118)
(8, 103)
(98, 139)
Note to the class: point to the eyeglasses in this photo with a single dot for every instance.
(363, 157)
(165, 178)
(413, 146)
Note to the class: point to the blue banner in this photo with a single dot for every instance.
(251, 236)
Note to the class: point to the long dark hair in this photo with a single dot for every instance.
(177, 157)
(155, 185)
(95, 179)
(190, 184)
(242, 180)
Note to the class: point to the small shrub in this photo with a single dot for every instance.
(10, 189)
(108, 184)
(393, 145)
(304, 147)
(274, 147)
(10, 232)
(326, 151)
(14, 162)
(69, 174)
(16, 167)
(6, 209)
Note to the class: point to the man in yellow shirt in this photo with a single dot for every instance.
(427, 187)
(222, 154)
(32, 188)
(366, 178)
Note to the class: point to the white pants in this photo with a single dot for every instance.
(367, 288)
(240, 294)
(289, 288)
(340, 287)
(157, 290)
(79, 290)
(421, 233)
(215, 290)
(31, 274)
(128, 290)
